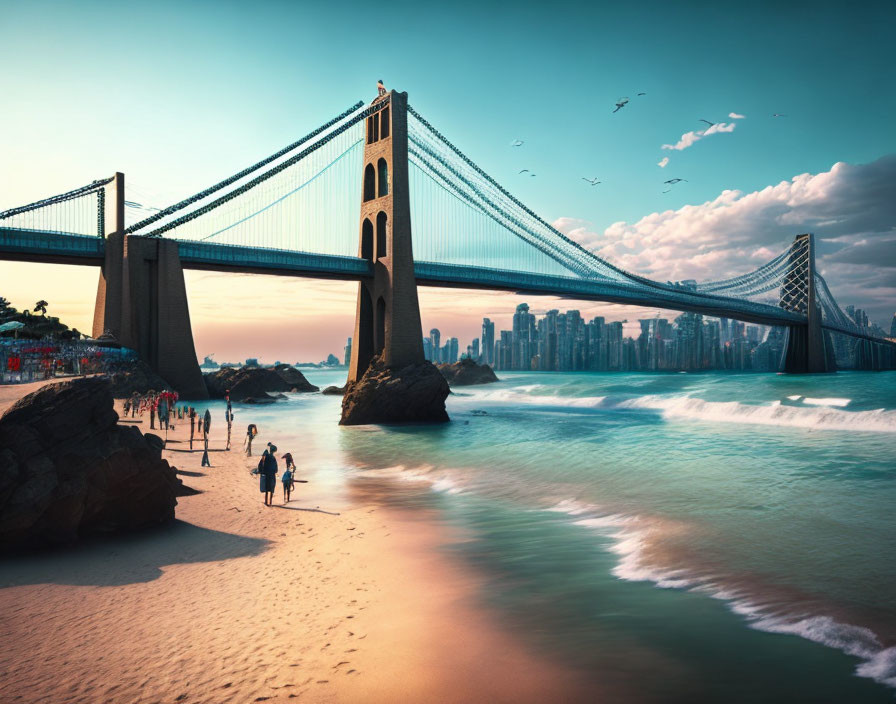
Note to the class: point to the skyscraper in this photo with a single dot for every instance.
(488, 342)
(435, 338)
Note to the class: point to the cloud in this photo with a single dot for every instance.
(850, 208)
(662, 162)
(690, 138)
(735, 116)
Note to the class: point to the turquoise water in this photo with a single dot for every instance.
(686, 537)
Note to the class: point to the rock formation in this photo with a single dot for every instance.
(67, 468)
(137, 377)
(414, 394)
(466, 372)
(334, 391)
(254, 384)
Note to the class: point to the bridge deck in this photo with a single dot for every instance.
(66, 248)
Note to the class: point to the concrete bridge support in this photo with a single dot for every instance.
(142, 300)
(387, 318)
(809, 349)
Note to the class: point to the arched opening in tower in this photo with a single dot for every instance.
(382, 177)
(367, 240)
(369, 183)
(379, 340)
(381, 235)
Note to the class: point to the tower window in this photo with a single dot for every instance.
(382, 177)
(381, 235)
(367, 240)
(369, 183)
(384, 123)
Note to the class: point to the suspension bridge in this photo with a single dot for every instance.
(379, 196)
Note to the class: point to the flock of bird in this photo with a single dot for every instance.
(621, 103)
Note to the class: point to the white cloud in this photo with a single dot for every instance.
(735, 116)
(850, 209)
(662, 162)
(690, 138)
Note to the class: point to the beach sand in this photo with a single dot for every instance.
(238, 602)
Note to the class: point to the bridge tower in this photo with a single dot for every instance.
(387, 318)
(809, 350)
(142, 300)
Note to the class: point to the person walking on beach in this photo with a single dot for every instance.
(206, 428)
(127, 407)
(152, 413)
(269, 474)
(251, 432)
(163, 413)
(192, 415)
(228, 416)
(291, 468)
(287, 484)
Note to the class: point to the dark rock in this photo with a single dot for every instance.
(295, 378)
(466, 372)
(137, 377)
(414, 394)
(255, 382)
(68, 469)
(334, 390)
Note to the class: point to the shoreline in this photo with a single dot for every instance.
(238, 602)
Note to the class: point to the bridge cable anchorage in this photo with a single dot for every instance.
(53, 200)
(267, 174)
(245, 172)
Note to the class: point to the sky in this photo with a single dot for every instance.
(179, 95)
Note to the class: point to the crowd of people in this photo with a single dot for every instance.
(164, 407)
(23, 361)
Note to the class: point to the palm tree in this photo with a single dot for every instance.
(41, 306)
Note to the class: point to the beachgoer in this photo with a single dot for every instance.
(291, 467)
(251, 432)
(163, 413)
(287, 484)
(127, 407)
(152, 414)
(192, 425)
(269, 474)
(228, 416)
(206, 428)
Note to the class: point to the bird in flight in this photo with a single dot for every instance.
(707, 122)
(673, 181)
(592, 181)
(642, 93)
(621, 103)
(524, 171)
(777, 114)
(517, 143)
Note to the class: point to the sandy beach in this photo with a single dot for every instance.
(238, 602)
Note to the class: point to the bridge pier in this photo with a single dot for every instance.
(142, 300)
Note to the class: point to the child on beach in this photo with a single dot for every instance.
(287, 484)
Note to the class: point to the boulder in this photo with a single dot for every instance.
(137, 377)
(255, 382)
(334, 390)
(414, 394)
(68, 469)
(466, 372)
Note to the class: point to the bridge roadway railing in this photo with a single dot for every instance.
(55, 247)
(436, 274)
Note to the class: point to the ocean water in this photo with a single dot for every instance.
(689, 537)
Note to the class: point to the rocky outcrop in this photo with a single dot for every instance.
(334, 390)
(137, 377)
(68, 469)
(256, 382)
(466, 372)
(414, 394)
